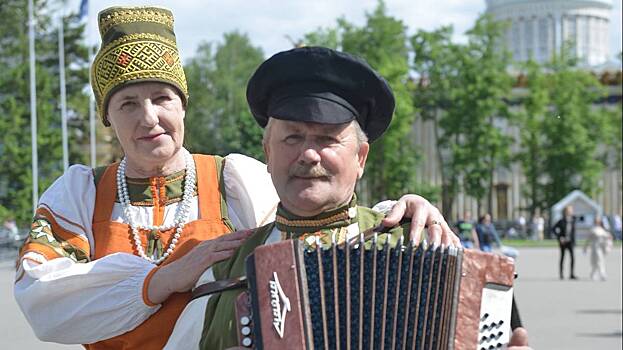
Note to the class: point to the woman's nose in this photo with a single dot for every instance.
(150, 115)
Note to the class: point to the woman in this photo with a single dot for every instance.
(114, 251)
(600, 243)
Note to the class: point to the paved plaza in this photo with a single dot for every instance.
(558, 314)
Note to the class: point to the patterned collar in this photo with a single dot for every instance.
(323, 226)
(166, 189)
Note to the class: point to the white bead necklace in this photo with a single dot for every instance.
(181, 214)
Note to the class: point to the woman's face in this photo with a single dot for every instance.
(148, 119)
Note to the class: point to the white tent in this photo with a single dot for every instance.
(584, 209)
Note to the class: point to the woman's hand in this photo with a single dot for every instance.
(423, 214)
(182, 274)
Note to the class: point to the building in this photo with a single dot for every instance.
(584, 209)
(546, 22)
(539, 28)
(507, 200)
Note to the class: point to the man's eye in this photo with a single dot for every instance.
(293, 139)
(327, 140)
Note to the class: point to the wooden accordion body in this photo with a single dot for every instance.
(380, 297)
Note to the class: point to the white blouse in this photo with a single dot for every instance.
(81, 303)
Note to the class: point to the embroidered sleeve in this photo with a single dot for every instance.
(81, 303)
(65, 295)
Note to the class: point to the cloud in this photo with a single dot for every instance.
(267, 22)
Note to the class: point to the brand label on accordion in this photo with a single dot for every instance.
(280, 304)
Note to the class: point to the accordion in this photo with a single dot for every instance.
(372, 295)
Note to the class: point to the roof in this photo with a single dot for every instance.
(574, 196)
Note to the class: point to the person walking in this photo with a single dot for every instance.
(600, 242)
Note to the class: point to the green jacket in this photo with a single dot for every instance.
(219, 328)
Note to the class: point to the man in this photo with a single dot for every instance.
(564, 230)
(320, 109)
(466, 231)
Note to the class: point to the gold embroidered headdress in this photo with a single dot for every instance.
(138, 45)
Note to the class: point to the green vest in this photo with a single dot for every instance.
(219, 328)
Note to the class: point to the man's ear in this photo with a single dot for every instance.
(267, 155)
(362, 156)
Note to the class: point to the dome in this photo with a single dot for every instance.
(539, 28)
(501, 3)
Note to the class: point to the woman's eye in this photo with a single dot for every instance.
(162, 99)
(127, 105)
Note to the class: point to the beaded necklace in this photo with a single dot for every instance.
(181, 214)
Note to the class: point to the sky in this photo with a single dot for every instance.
(268, 23)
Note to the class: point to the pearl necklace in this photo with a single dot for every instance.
(181, 214)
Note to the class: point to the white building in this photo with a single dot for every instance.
(538, 28)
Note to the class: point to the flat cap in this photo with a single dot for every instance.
(321, 85)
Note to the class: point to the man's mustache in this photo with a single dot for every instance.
(306, 170)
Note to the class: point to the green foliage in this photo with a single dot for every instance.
(572, 131)
(218, 120)
(462, 90)
(15, 146)
(565, 139)
(530, 118)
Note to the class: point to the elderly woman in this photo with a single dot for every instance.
(114, 251)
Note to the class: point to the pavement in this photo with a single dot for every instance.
(566, 315)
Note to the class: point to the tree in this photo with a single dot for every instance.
(530, 119)
(573, 131)
(15, 149)
(218, 120)
(462, 89)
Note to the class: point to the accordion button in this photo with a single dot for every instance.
(247, 342)
(245, 330)
(244, 320)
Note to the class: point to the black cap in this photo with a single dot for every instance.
(320, 85)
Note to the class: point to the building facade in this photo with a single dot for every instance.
(539, 28)
(508, 202)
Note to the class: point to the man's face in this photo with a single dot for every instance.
(148, 119)
(314, 167)
(568, 211)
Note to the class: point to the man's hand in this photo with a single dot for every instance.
(519, 340)
(182, 274)
(422, 214)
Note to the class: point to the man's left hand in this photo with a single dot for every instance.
(519, 340)
(423, 214)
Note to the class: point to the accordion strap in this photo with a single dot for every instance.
(219, 286)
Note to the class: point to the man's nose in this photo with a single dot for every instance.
(310, 154)
(150, 115)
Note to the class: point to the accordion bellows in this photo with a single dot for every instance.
(375, 296)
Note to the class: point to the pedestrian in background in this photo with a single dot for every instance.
(538, 226)
(616, 226)
(564, 230)
(485, 231)
(600, 242)
(467, 232)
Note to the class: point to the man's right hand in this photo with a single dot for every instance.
(182, 274)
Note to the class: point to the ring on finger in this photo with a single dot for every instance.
(435, 222)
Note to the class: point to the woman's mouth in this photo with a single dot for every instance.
(152, 137)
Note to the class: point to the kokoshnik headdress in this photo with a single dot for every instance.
(138, 45)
